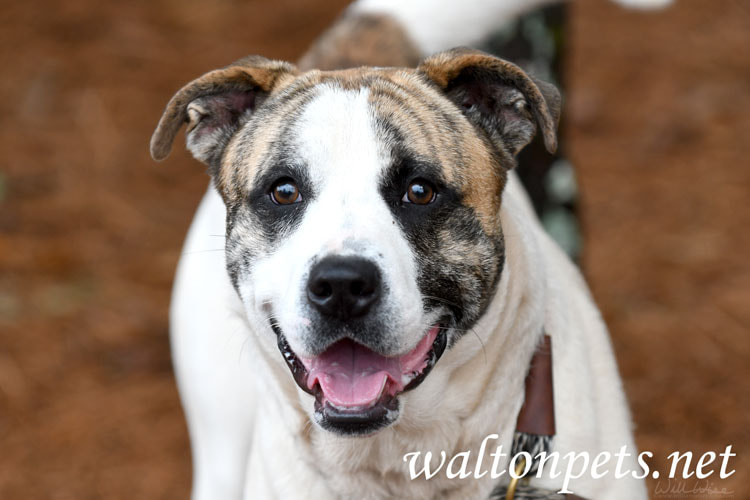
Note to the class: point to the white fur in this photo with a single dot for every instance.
(436, 25)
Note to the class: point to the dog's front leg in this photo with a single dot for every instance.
(210, 350)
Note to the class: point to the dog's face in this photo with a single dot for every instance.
(362, 211)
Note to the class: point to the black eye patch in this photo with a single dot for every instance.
(273, 217)
(397, 181)
(458, 263)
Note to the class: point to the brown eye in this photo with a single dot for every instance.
(285, 192)
(419, 192)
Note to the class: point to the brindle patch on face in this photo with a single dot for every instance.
(457, 240)
(258, 155)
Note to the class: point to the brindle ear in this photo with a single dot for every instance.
(215, 106)
(497, 96)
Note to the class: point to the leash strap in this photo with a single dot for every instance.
(535, 429)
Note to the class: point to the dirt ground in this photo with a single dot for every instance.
(657, 120)
(659, 129)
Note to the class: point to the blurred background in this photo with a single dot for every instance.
(656, 125)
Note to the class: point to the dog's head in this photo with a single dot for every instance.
(362, 230)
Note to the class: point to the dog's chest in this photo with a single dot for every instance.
(375, 469)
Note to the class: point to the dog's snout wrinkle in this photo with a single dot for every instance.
(344, 287)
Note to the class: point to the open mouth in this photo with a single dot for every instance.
(356, 388)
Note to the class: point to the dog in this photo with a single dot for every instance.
(384, 282)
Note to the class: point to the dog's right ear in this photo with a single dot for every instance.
(216, 105)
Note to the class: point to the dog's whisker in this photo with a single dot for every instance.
(444, 328)
(481, 342)
(440, 299)
(203, 251)
(242, 348)
(307, 426)
(460, 330)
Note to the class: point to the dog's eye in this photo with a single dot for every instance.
(285, 192)
(419, 192)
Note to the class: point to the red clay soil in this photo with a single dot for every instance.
(658, 117)
(659, 129)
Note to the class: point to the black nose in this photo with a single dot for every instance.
(344, 287)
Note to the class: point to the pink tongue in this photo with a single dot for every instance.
(352, 375)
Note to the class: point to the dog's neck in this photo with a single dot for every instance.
(450, 412)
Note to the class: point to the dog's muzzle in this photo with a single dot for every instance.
(356, 387)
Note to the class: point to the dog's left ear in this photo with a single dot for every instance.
(215, 105)
(497, 96)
